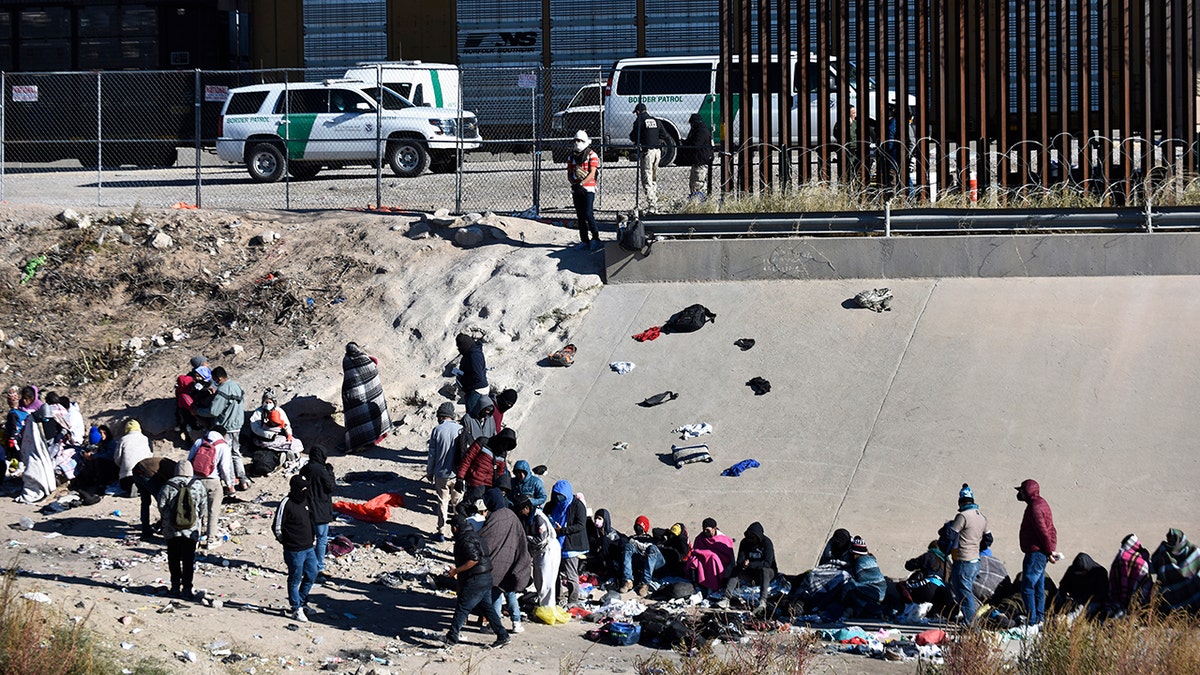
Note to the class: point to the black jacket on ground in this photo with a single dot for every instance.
(467, 547)
(320, 485)
(756, 550)
(293, 525)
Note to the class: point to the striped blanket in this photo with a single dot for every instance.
(363, 401)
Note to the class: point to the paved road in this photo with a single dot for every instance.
(875, 420)
(499, 183)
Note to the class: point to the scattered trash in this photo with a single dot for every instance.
(36, 597)
(659, 399)
(694, 430)
(743, 343)
(737, 469)
(25, 523)
(620, 445)
(876, 300)
(759, 385)
(622, 367)
(650, 333)
(563, 357)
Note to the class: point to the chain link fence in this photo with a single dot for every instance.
(122, 139)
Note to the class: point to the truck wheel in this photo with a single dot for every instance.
(265, 163)
(668, 150)
(407, 157)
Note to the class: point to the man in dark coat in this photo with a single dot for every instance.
(319, 473)
(755, 564)
(472, 375)
(473, 570)
(512, 567)
(700, 141)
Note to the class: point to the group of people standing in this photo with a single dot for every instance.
(647, 135)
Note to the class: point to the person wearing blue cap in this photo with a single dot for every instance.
(968, 535)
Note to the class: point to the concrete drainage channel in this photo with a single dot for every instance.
(913, 243)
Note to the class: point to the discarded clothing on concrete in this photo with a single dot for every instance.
(658, 399)
(744, 343)
(737, 469)
(876, 300)
(563, 357)
(378, 510)
(759, 385)
(694, 430)
(650, 333)
(622, 367)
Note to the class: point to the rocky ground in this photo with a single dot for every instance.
(107, 307)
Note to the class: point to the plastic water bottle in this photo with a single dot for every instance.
(26, 523)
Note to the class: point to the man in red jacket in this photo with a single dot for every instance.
(1039, 543)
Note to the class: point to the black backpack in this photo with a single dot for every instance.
(689, 319)
(633, 238)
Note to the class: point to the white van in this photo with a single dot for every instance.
(673, 88)
(425, 84)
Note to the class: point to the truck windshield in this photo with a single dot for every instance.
(391, 100)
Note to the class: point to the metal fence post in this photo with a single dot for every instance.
(3, 97)
(458, 182)
(378, 136)
(99, 140)
(535, 132)
(287, 138)
(887, 218)
(196, 96)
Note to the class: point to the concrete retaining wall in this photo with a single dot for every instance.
(1160, 253)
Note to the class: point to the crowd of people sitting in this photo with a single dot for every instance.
(956, 578)
(520, 549)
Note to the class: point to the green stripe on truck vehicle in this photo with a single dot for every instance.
(437, 87)
(710, 111)
(298, 128)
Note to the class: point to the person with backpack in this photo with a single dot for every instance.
(183, 505)
(294, 529)
(582, 166)
(228, 412)
(439, 466)
(210, 460)
(319, 474)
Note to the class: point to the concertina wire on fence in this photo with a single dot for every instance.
(148, 138)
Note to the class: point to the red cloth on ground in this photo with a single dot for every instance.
(650, 333)
(933, 636)
(375, 511)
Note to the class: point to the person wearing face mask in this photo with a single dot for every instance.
(582, 166)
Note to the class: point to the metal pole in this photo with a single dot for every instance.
(196, 96)
(378, 136)
(537, 146)
(887, 218)
(458, 183)
(99, 142)
(3, 96)
(287, 138)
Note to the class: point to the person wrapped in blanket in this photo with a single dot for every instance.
(271, 437)
(363, 401)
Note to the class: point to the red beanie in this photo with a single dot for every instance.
(644, 522)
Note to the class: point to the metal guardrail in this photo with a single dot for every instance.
(922, 222)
